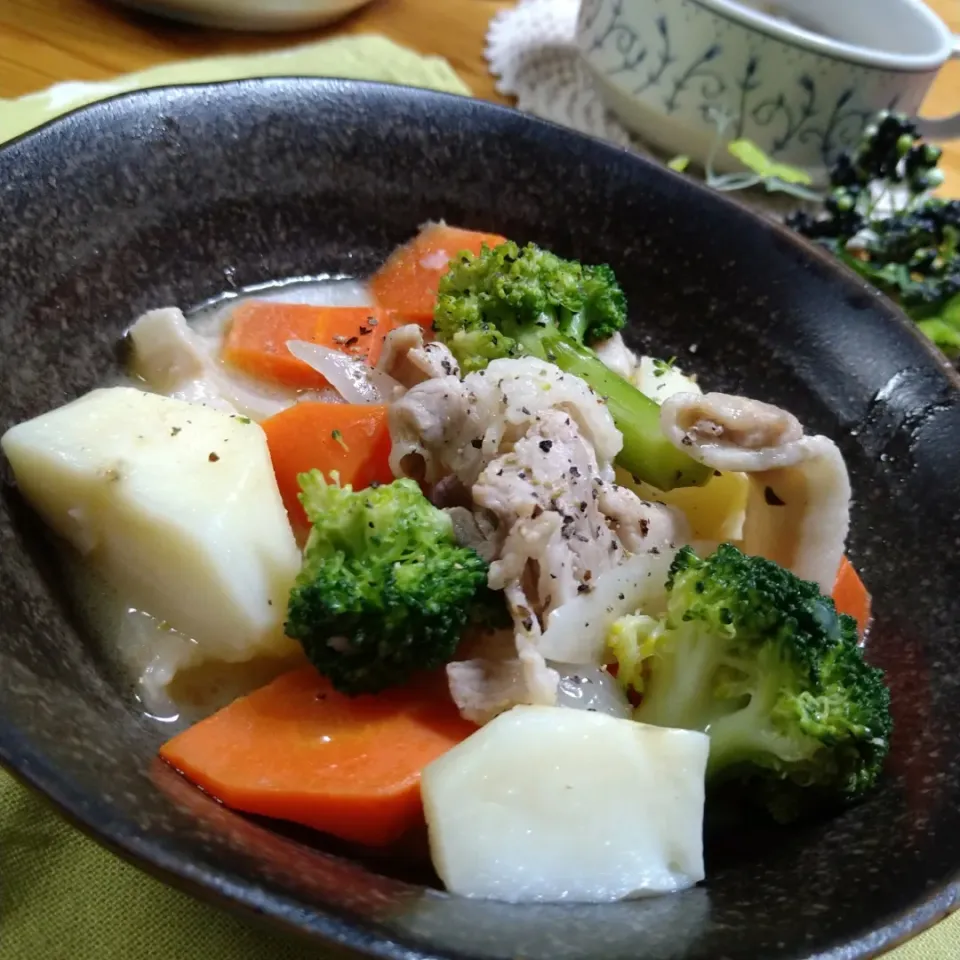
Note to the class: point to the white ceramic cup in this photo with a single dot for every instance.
(802, 89)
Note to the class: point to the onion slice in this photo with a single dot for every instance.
(584, 687)
(576, 632)
(350, 377)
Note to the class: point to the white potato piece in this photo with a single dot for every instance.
(176, 504)
(548, 804)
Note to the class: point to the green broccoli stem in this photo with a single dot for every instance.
(746, 736)
(575, 326)
(647, 454)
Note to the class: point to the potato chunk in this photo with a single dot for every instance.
(176, 504)
(551, 804)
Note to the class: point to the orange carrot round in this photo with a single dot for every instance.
(298, 750)
(351, 439)
(850, 595)
(407, 283)
(258, 332)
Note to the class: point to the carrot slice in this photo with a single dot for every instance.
(407, 282)
(850, 595)
(256, 340)
(298, 750)
(352, 439)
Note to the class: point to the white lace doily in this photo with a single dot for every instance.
(532, 52)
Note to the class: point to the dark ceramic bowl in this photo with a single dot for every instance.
(170, 196)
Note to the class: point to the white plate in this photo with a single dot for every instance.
(276, 15)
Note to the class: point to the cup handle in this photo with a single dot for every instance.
(941, 128)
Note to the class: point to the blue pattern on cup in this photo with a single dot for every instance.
(768, 88)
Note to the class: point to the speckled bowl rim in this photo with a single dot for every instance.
(223, 888)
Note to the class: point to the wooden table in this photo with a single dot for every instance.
(43, 41)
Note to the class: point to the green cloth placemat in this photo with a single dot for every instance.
(62, 897)
(355, 58)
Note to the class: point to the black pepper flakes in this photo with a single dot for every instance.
(175, 430)
(477, 443)
(546, 445)
(771, 499)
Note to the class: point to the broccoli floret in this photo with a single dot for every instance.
(763, 663)
(512, 302)
(384, 590)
